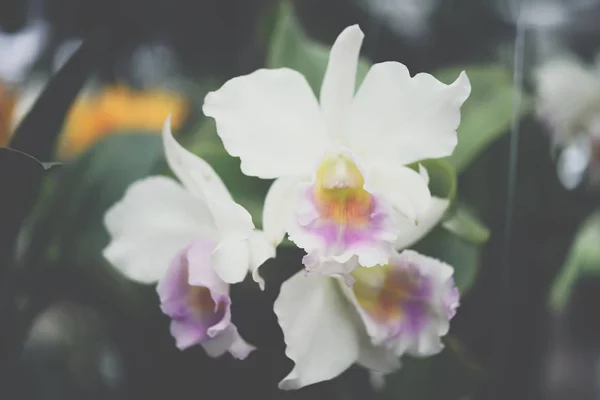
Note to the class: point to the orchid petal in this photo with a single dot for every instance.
(231, 257)
(319, 328)
(271, 120)
(405, 189)
(279, 208)
(337, 90)
(155, 220)
(195, 173)
(261, 249)
(407, 119)
(409, 233)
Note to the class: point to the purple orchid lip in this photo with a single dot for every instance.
(401, 303)
(345, 226)
(401, 300)
(198, 302)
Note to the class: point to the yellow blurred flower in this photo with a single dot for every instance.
(118, 109)
(7, 106)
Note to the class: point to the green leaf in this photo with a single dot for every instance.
(292, 48)
(466, 226)
(583, 260)
(70, 232)
(487, 113)
(248, 191)
(448, 375)
(20, 178)
(463, 256)
(70, 227)
(442, 177)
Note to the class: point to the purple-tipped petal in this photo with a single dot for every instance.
(198, 302)
(406, 305)
(368, 234)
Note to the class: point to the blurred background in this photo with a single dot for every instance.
(89, 83)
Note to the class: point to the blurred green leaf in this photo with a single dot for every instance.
(290, 47)
(442, 177)
(487, 113)
(448, 376)
(462, 255)
(466, 226)
(97, 180)
(20, 177)
(583, 260)
(248, 191)
(70, 230)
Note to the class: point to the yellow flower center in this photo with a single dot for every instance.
(339, 192)
(382, 291)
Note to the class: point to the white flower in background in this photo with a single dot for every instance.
(546, 14)
(568, 102)
(194, 240)
(20, 50)
(403, 17)
(401, 308)
(343, 189)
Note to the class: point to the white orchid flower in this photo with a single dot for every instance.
(568, 102)
(342, 188)
(402, 307)
(194, 240)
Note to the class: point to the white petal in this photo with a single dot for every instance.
(20, 50)
(406, 119)
(319, 329)
(405, 189)
(428, 342)
(378, 358)
(409, 233)
(565, 89)
(195, 173)
(231, 257)
(337, 90)
(279, 208)
(573, 162)
(261, 249)
(229, 215)
(155, 220)
(271, 120)
(424, 174)
(229, 340)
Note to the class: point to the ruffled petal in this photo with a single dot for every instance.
(155, 220)
(271, 120)
(406, 306)
(337, 90)
(198, 302)
(364, 226)
(407, 119)
(319, 329)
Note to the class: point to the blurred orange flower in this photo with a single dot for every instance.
(118, 109)
(7, 106)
